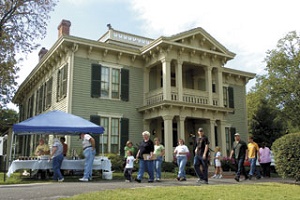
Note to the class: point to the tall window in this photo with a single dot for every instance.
(104, 121)
(62, 78)
(109, 88)
(110, 82)
(114, 135)
(30, 106)
(39, 100)
(48, 93)
(115, 83)
(228, 97)
(110, 138)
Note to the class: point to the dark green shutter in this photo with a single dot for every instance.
(125, 85)
(232, 132)
(124, 134)
(96, 120)
(96, 81)
(231, 97)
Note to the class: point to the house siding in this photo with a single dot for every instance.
(84, 105)
(239, 118)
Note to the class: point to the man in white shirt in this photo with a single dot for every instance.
(89, 151)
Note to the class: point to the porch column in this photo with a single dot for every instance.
(180, 127)
(166, 75)
(168, 131)
(146, 84)
(212, 134)
(179, 79)
(209, 84)
(221, 128)
(220, 87)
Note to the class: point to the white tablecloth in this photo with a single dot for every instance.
(100, 163)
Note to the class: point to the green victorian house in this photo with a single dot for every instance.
(169, 86)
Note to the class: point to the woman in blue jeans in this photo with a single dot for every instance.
(159, 152)
(181, 152)
(57, 156)
(145, 158)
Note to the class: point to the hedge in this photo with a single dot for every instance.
(287, 156)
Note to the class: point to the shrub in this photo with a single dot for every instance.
(168, 167)
(116, 162)
(286, 150)
(227, 164)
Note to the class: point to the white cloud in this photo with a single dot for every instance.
(247, 28)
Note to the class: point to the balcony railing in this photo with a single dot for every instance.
(189, 96)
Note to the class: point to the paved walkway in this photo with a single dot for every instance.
(53, 190)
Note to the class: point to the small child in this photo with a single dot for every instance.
(129, 166)
(218, 170)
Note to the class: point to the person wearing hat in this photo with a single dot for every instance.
(88, 145)
(239, 151)
(201, 157)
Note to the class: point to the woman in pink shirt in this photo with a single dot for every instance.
(265, 159)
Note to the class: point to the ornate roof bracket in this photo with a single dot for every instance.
(133, 58)
(75, 47)
(105, 53)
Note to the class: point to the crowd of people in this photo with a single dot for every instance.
(150, 155)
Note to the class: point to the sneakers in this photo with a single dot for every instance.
(214, 176)
(202, 181)
(237, 179)
(61, 180)
(178, 178)
(84, 179)
(157, 180)
(127, 181)
(150, 181)
(137, 180)
(199, 180)
(220, 176)
(182, 179)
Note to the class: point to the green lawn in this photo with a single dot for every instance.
(263, 191)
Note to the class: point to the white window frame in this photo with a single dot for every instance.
(108, 132)
(110, 84)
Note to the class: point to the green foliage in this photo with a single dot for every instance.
(283, 74)
(117, 162)
(227, 164)
(287, 156)
(21, 23)
(7, 118)
(265, 124)
(168, 167)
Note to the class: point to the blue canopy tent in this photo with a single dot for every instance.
(55, 122)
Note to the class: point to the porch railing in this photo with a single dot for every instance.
(189, 96)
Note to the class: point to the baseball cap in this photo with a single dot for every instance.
(237, 134)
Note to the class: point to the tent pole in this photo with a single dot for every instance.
(11, 146)
(102, 145)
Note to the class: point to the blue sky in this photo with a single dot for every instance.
(247, 28)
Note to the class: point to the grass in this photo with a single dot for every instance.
(258, 191)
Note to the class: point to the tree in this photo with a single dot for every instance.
(7, 118)
(22, 22)
(283, 75)
(265, 120)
